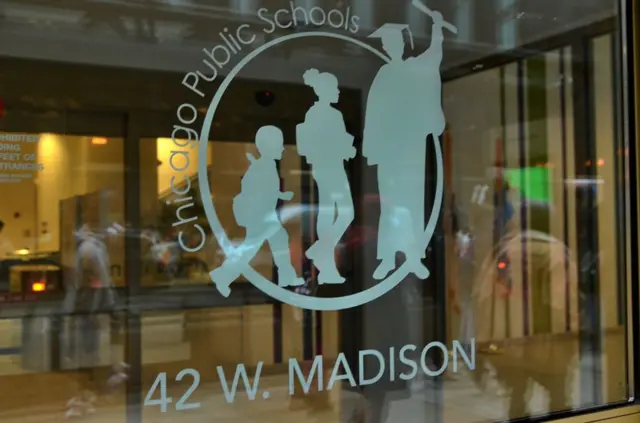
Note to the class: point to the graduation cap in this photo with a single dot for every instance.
(392, 30)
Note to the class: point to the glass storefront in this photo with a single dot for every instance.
(317, 210)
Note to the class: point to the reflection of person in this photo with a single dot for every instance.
(503, 220)
(323, 140)
(144, 24)
(388, 323)
(104, 14)
(403, 108)
(255, 209)
(101, 13)
(90, 292)
(465, 254)
(6, 250)
(503, 206)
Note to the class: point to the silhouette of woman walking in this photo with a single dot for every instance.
(323, 140)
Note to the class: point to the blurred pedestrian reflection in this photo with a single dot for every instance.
(90, 291)
(98, 15)
(113, 16)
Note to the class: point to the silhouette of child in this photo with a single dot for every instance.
(255, 209)
(323, 140)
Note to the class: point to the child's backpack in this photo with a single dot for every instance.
(243, 203)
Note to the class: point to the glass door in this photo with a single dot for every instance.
(63, 172)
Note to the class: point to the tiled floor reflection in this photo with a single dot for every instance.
(41, 396)
(465, 403)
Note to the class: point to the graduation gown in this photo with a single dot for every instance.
(403, 108)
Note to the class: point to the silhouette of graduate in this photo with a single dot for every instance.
(404, 107)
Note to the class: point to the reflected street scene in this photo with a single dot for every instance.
(327, 211)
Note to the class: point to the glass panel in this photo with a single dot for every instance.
(212, 342)
(534, 280)
(73, 198)
(473, 153)
(608, 153)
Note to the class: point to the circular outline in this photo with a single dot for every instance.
(259, 281)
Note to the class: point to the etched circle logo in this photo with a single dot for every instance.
(403, 111)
